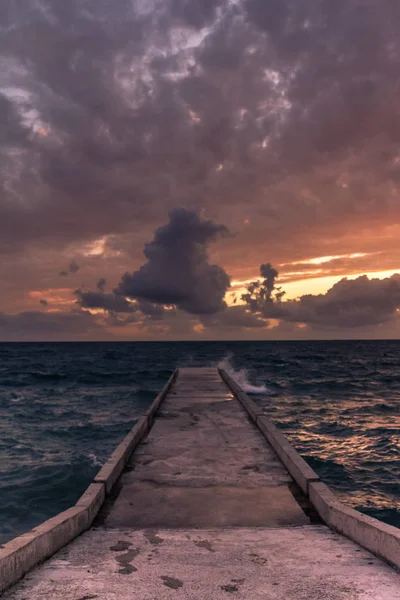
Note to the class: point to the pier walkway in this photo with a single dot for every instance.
(205, 510)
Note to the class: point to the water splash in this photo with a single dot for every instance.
(241, 376)
(94, 460)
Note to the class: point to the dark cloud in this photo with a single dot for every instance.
(177, 271)
(270, 274)
(44, 302)
(14, 133)
(109, 302)
(236, 317)
(116, 319)
(263, 296)
(101, 284)
(155, 312)
(280, 114)
(350, 303)
(73, 267)
(195, 13)
(116, 304)
(114, 112)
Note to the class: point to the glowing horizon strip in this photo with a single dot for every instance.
(314, 285)
(325, 259)
(320, 285)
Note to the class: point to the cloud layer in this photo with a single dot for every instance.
(278, 118)
(116, 112)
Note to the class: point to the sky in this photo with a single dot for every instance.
(199, 169)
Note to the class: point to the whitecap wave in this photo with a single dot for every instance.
(94, 460)
(241, 377)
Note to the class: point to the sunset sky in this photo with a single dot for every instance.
(158, 157)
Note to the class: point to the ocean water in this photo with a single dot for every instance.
(64, 407)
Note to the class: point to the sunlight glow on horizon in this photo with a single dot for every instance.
(325, 259)
(315, 285)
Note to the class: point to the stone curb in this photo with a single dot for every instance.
(301, 472)
(379, 538)
(20, 555)
(112, 469)
(298, 468)
(241, 395)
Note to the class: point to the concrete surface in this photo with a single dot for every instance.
(301, 563)
(203, 464)
(205, 509)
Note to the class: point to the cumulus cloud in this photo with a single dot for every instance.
(350, 303)
(177, 271)
(263, 296)
(110, 302)
(234, 317)
(155, 312)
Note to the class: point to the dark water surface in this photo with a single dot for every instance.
(64, 407)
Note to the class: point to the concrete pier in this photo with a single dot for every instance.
(205, 509)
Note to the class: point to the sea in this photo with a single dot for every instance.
(65, 406)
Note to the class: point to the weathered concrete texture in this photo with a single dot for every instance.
(144, 505)
(204, 465)
(302, 563)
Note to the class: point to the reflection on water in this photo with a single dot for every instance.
(347, 427)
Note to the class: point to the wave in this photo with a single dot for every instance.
(241, 377)
(96, 462)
